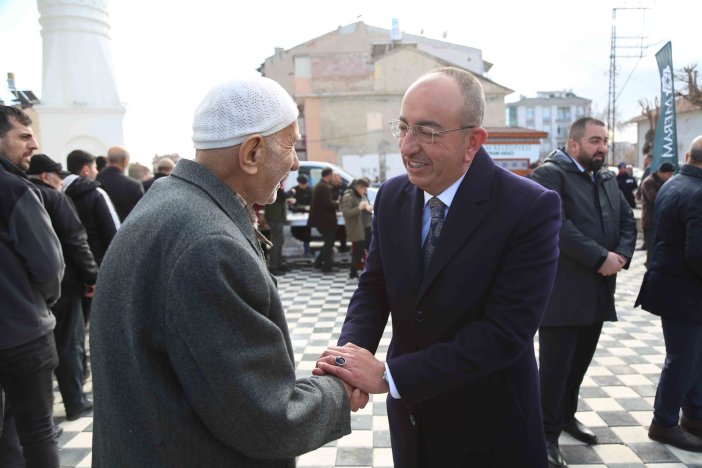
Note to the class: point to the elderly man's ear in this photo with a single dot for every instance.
(250, 153)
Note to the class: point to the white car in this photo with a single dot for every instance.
(313, 171)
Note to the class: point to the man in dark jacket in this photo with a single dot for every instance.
(124, 191)
(302, 194)
(672, 289)
(648, 191)
(94, 206)
(323, 217)
(79, 278)
(164, 167)
(276, 214)
(627, 184)
(30, 278)
(597, 240)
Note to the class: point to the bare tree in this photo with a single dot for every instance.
(692, 93)
(651, 113)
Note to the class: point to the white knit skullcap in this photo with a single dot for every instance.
(237, 109)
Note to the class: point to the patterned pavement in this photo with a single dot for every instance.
(616, 398)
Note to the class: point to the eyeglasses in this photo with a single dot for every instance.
(424, 135)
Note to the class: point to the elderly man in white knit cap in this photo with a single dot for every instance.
(192, 360)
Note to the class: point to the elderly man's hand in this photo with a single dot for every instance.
(360, 368)
(357, 398)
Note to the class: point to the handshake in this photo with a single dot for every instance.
(359, 370)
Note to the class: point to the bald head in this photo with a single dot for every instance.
(118, 156)
(694, 154)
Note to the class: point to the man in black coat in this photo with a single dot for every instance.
(30, 278)
(124, 191)
(672, 289)
(94, 206)
(323, 217)
(79, 278)
(627, 184)
(597, 240)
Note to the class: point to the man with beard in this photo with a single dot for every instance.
(597, 240)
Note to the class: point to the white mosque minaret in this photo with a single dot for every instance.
(80, 107)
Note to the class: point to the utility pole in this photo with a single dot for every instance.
(628, 43)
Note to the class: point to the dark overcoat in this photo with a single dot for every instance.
(672, 286)
(462, 351)
(322, 208)
(596, 219)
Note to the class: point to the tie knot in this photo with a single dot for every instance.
(437, 207)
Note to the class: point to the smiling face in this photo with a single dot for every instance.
(18, 144)
(436, 101)
(280, 159)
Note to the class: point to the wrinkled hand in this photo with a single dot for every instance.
(362, 370)
(612, 265)
(357, 398)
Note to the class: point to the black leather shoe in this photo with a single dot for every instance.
(554, 455)
(675, 436)
(576, 429)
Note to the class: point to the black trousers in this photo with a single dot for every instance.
(565, 354)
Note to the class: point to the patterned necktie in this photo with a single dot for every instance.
(437, 221)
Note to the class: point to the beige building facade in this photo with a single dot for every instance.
(349, 83)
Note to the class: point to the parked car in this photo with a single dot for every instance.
(313, 171)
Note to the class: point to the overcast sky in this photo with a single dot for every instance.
(168, 54)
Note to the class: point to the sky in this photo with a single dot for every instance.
(168, 54)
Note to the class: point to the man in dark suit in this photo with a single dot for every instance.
(463, 254)
(124, 191)
(672, 289)
(597, 241)
(323, 217)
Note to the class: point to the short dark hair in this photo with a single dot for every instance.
(76, 159)
(100, 162)
(666, 167)
(577, 128)
(327, 171)
(302, 179)
(7, 112)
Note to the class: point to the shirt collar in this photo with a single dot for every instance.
(447, 195)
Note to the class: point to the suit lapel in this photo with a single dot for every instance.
(410, 231)
(465, 215)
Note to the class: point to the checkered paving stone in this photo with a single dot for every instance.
(616, 398)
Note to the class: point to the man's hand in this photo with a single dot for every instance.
(612, 265)
(363, 205)
(361, 369)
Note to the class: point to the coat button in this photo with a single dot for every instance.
(419, 315)
(414, 423)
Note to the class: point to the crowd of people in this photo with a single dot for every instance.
(192, 361)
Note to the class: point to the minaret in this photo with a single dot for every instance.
(80, 106)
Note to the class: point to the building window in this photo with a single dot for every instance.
(564, 113)
(512, 120)
(302, 67)
(547, 114)
(530, 113)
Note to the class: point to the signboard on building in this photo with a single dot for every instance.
(499, 151)
(516, 165)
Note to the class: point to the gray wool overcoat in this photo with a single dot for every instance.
(192, 360)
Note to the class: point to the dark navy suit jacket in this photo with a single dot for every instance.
(462, 353)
